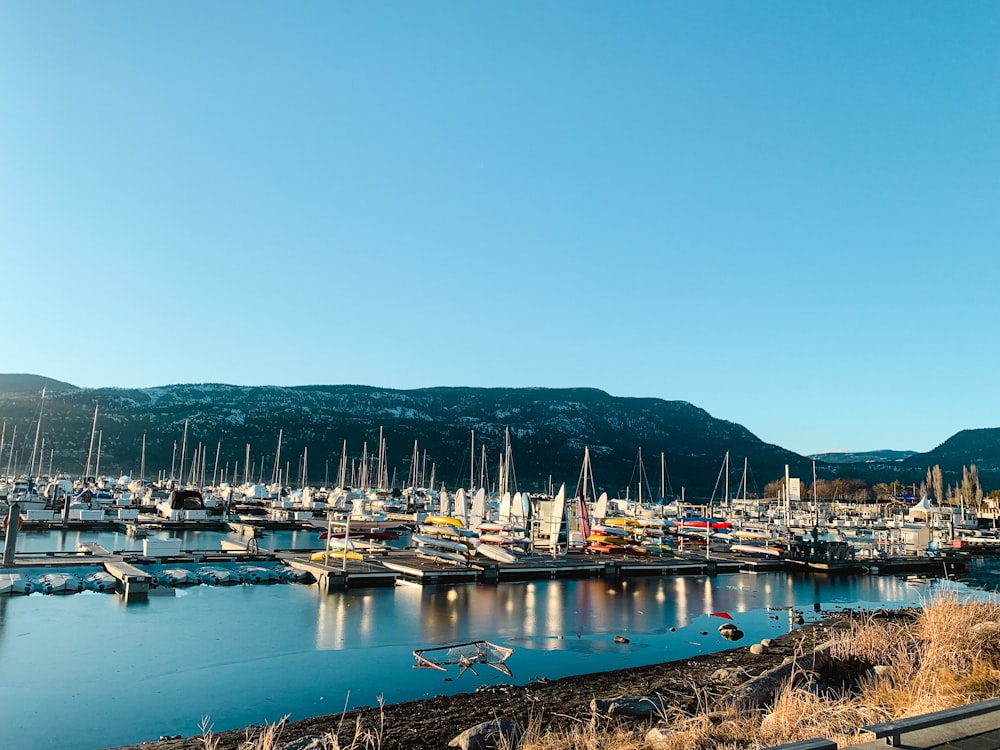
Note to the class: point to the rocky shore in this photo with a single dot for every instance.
(555, 705)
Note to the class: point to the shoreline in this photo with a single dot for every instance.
(556, 705)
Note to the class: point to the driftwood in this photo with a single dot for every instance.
(639, 706)
(490, 735)
(761, 691)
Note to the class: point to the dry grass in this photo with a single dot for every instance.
(269, 736)
(949, 655)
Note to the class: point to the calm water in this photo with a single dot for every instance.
(87, 671)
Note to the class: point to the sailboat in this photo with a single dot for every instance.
(27, 495)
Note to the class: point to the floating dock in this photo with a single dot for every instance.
(338, 577)
(133, 583)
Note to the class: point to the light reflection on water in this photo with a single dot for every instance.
(120, 674)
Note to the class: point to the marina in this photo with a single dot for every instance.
(293, 649)
(314, 608)
(307, 637)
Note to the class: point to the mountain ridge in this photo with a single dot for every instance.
(549, 428)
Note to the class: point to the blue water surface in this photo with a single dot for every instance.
(88, 671)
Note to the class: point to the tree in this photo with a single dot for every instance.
(971, 490)
(882, 491)
(937, 482)
(775, 488)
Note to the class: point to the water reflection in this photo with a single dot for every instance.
(545, 615)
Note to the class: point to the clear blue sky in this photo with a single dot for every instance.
(787, 213)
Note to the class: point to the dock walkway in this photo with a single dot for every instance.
(972, 727)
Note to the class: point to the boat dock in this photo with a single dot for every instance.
(381, 565)
(345, 574)
(414, 567)
(133, 583)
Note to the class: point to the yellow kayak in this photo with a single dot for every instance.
(444, 521)
(335, 555)
(608, 539)
(619, 522)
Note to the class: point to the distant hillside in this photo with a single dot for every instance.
(549, 430)
(980, 447)
(885, 456)
(32, 384)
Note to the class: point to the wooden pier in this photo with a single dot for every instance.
(133, 583)
(418, 568)
(338, 577)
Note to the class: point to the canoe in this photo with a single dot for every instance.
(602, 548)
(607, 539)
(450, 545)
(619, 521)
(495, 553)
(446, 530)
(492, 527)
(757, 549)
(503, 540)
(443, 554)
(701, 523)
(445, 521)
(608, 530)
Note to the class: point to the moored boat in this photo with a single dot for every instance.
(493, 552)
(58, 583)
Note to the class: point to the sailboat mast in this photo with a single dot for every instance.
(638, 497)
(276, 474)
(727, 479)
(379, 467)
(38, 432)
(10, 456)
(506, 460)
(482, 468)
(180, 472)
(815, 499)
(97, 466)
(90, 451)
(472, 461)
(663, 476)
(142, 460)
(215, 468)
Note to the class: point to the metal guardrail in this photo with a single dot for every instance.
(817, 743)
(892, 731)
